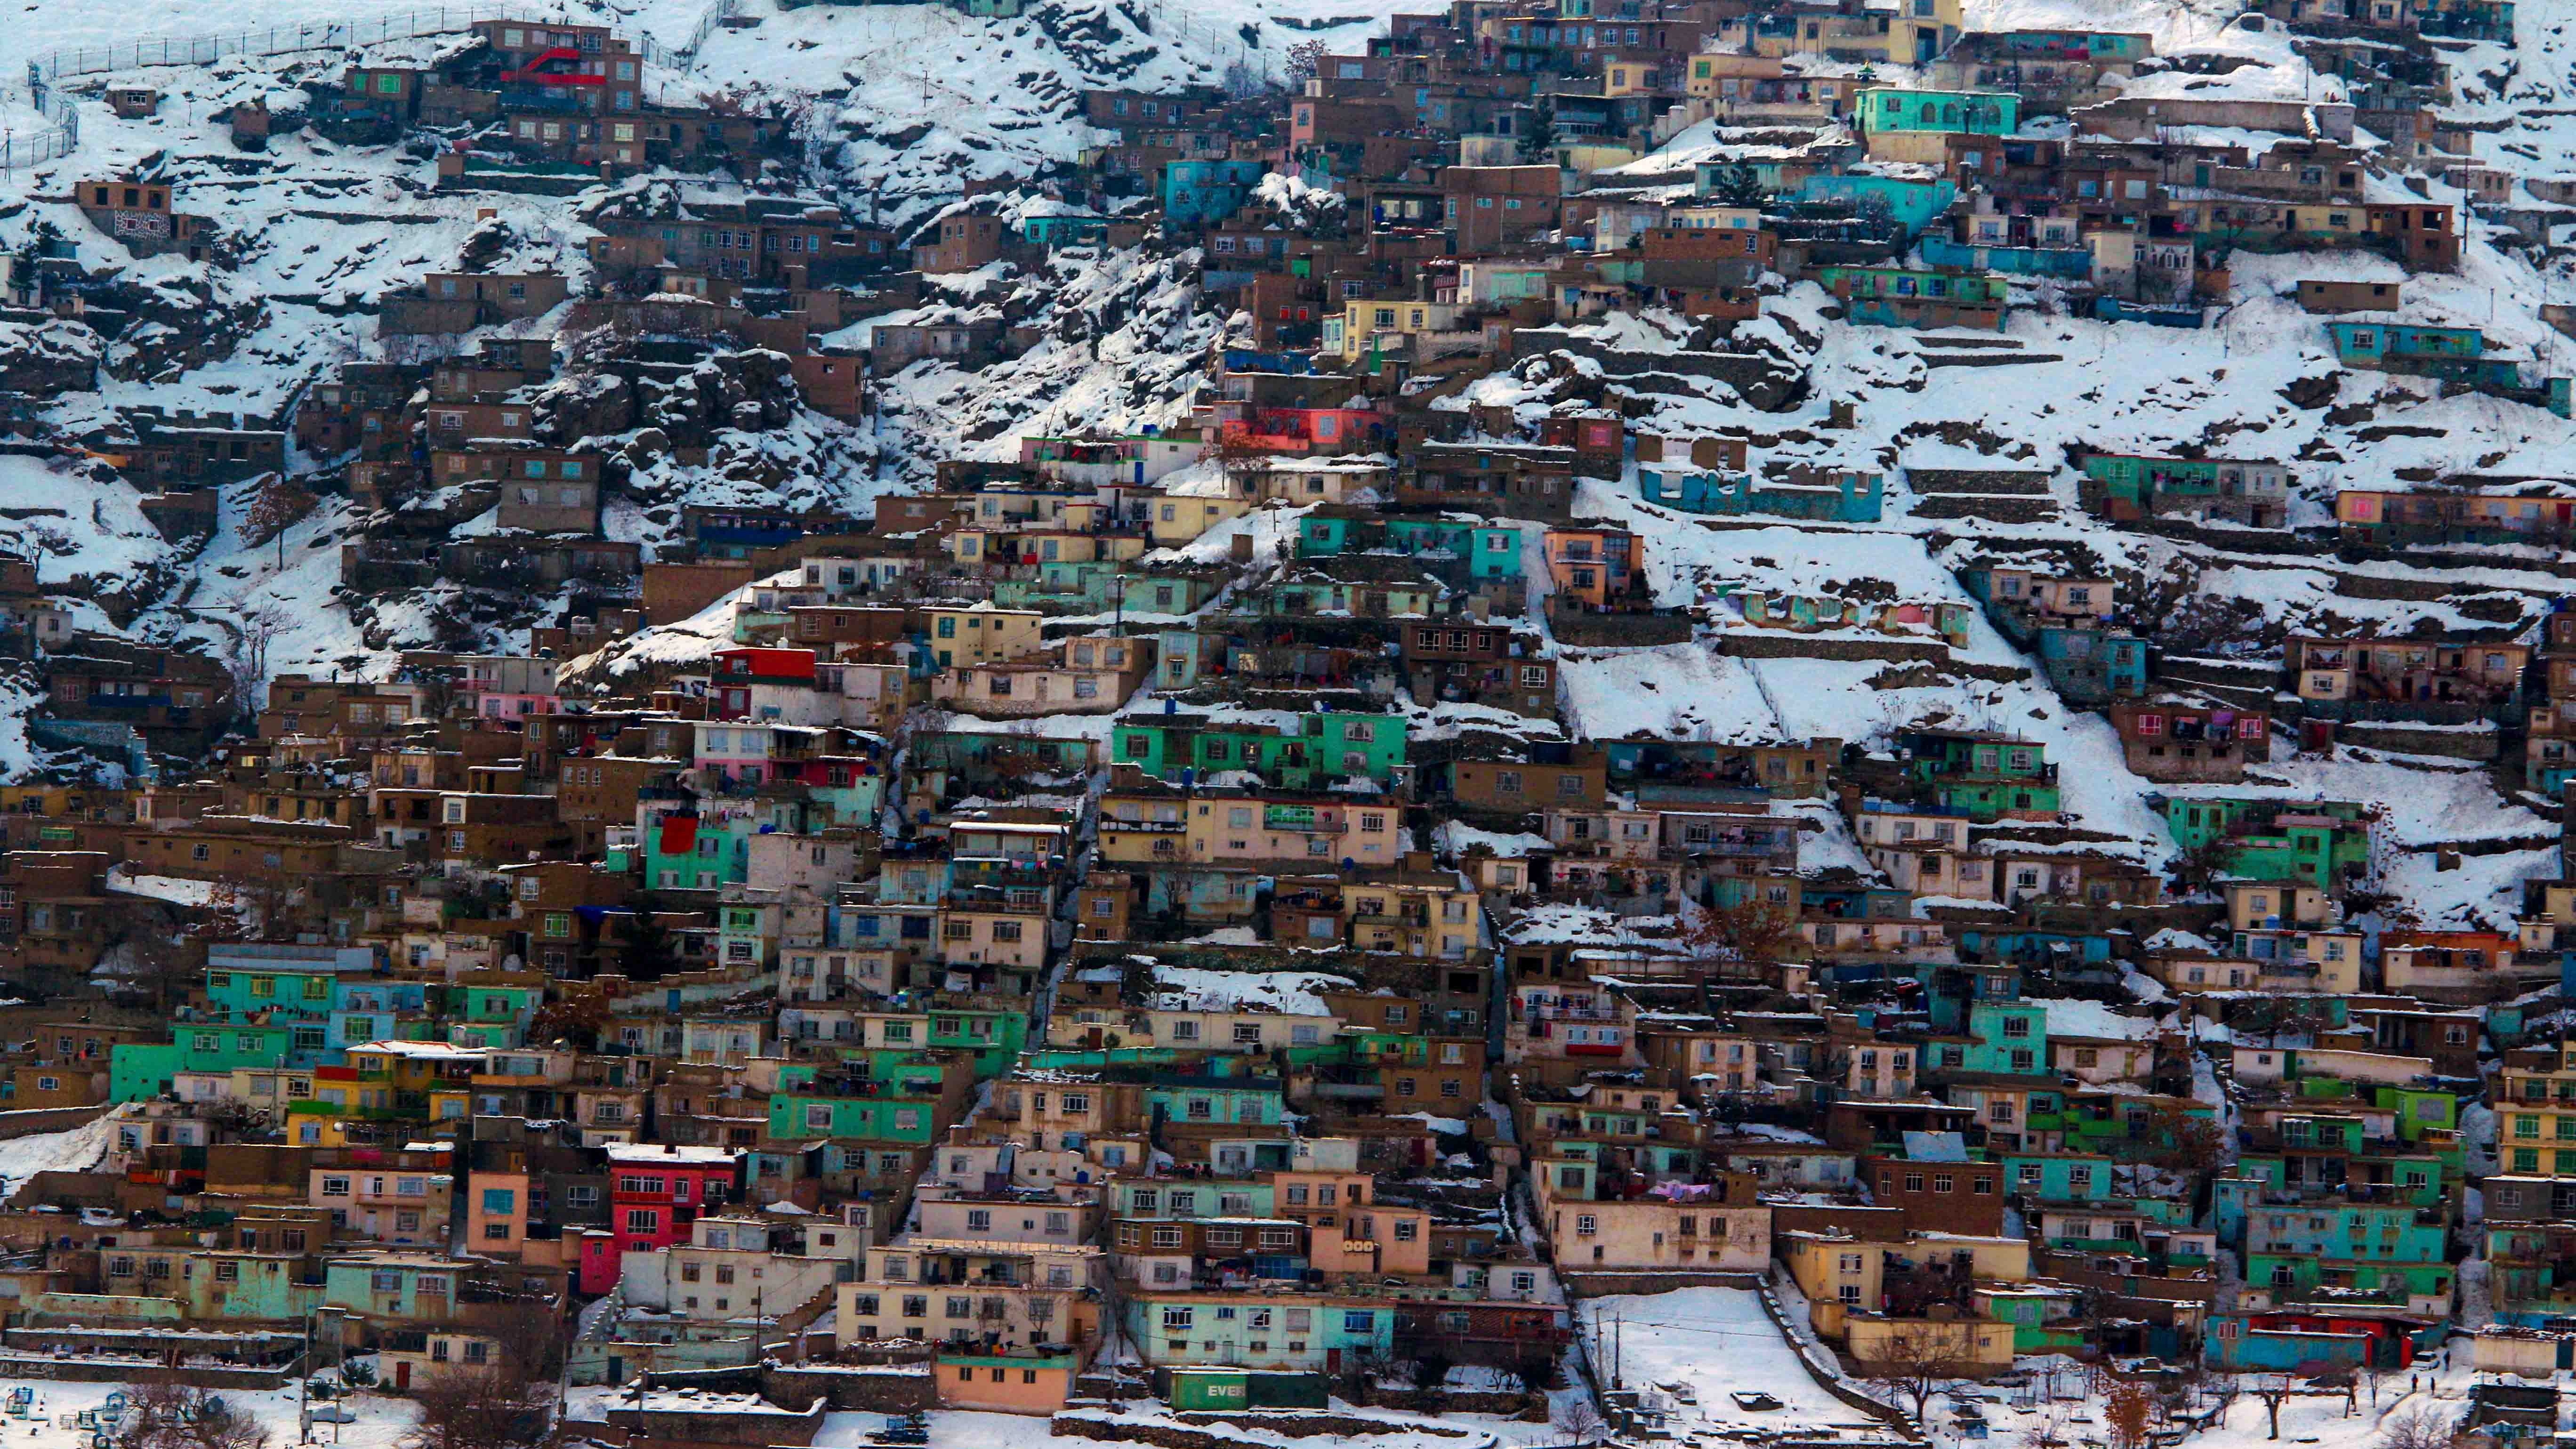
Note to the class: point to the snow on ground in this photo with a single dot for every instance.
(1830, 845)
(2422, 800)
(175, 889)
(1850, 699)
(1185, 988)
(1455, 838)
(377, 1421)
(76, 521)
(1718, 1341)
(1677, 692)
(2068, 1016)
(2322, 1420)
(2423, 803)
(2519, 95)
(967, 1429)
(76, 1150)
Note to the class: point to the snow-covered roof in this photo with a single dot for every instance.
(1186, 988)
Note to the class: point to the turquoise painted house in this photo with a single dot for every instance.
(1068, 230)
(1941, 251)
(412, 1288)
(1974, 113)
(2455, 354)
(796, 1116)
(139, 1072)
(2059, 1177)
(1490, 551)
(1827, 496)
(2007, 1038)
(1170, 1198)
(1197, 193)
(1913, 204)
(1314, 1334)
(1890, 296)
(1243, 1101)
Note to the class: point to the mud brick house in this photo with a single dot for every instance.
(138, 213)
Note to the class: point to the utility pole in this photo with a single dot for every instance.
(1618, 1339)
(303, 1387)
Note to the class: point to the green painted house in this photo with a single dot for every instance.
(411, 1288)
(1193, 1098)
(2058, 1176)
(910, 1121)
(1322, 747)
(1304, 1333)
(1131, 1197)
(1984, 776)
(2320, 841)
(1887, 109)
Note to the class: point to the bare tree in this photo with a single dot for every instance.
(2198, 1144)
(176, 1416)
(1304, 59)
(1920, 1357)
(2200, 868)
(249, 909)
(2127, 1413)
(158, 960)
(577, 1016)
(2048, 1431)
(1240, 454)
(2424, 1426)
(1581, 1422)
(255, 628)
(486, 1408)
(273, 507)
(1750, 930)
(2273, 1390)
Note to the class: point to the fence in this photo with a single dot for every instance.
(285, 40)
(276, 40)
(53, 142)
(63, 136)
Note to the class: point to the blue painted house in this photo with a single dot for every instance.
(2062, 1177)
(1913, 204)
(1822, 495)
(2092, 667)
(2454, 354)
(1197, 193)
(1941, 251)
(1071, 229)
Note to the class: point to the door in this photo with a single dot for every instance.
(402, 1373)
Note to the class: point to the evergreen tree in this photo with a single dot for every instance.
(1738, 186)
(649, 952)
(1538, 138)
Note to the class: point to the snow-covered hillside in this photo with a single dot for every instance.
(902, 107)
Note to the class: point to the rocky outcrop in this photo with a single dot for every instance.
(49, 358)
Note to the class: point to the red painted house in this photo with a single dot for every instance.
(737, 670)
(1325, 431)
(656, 1191)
